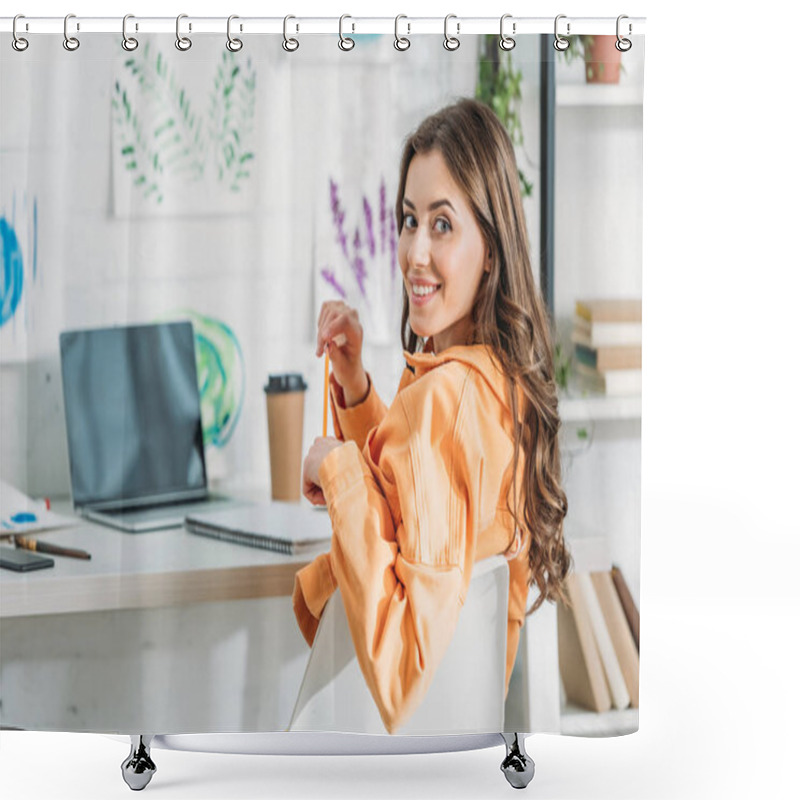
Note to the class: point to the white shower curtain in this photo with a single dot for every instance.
(240, 192)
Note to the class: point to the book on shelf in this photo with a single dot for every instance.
(598, 657)
(619, 631)
(607, 323)
(609, 310)
(628, 606)
(579, 658)
(290, 528)
(606, 334)
(606, 358)
(612, 382)
(605, 646)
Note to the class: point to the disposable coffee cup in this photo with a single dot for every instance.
(285, 398)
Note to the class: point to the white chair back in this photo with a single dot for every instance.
(467, 691)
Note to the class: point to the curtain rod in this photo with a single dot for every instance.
(407, 26)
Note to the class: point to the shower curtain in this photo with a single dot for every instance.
(233, 192)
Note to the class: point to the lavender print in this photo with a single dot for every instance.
(330, 279)
(338, 217)
(370, 232)
(383, 216)
(357, 257)
(359, 269)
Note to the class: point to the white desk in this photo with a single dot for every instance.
(170, 632)
(159, 632)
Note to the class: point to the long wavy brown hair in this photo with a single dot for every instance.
(510, 316)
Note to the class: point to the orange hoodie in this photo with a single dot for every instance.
(416, 495)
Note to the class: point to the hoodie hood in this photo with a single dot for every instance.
(478, 356)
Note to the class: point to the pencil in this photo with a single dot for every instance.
(45, 547)
(325, 404)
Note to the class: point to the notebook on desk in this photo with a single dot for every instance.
(285, 527)
(134, 433)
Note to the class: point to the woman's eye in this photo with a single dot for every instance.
(409, 221)
(442, 225)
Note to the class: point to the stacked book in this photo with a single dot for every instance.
(607, 335)
(598, 642)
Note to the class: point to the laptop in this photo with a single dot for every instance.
(134, 434)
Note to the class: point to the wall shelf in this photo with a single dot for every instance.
(597, 407)
(597, 94)
(580, 722)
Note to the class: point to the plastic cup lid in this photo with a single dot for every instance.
(287, 382)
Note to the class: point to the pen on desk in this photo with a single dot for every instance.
(52, 549)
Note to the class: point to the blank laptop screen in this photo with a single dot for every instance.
(132, 409)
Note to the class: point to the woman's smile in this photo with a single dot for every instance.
(422, 293)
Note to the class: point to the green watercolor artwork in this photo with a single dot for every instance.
(167, 137)
(220, 375)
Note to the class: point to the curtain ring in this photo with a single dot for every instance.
(400, 42)
(18, 43)
(560, 43)
(507, 42)
(128, 42)
(345, 42)
(70, 42)
(233, 44)
(183, 43)
(451, 42)
(289, 45)
(622, 44)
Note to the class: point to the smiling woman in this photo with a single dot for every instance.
(464, 464)
(441, 253)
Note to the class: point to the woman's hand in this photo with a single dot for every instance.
(316, 454)
(340, 333)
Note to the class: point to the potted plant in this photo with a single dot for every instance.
(603, 60)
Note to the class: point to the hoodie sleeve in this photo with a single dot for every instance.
(356, 422)
(315, 583)
(404, 529)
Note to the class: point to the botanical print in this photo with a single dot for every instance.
(175, 153)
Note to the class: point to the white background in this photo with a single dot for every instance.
(720, 698)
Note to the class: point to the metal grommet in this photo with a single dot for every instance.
(507, 42)
(70, 42)
(128, 42)
(400, 42)
(289, 45)
(622, 44)
(451, 42)
(233, 44)
(560, 43)
(183, 43)
(18, 42)
(345, 42)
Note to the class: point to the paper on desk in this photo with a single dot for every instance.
(20, 514)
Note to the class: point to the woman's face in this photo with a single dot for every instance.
(441, 252)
